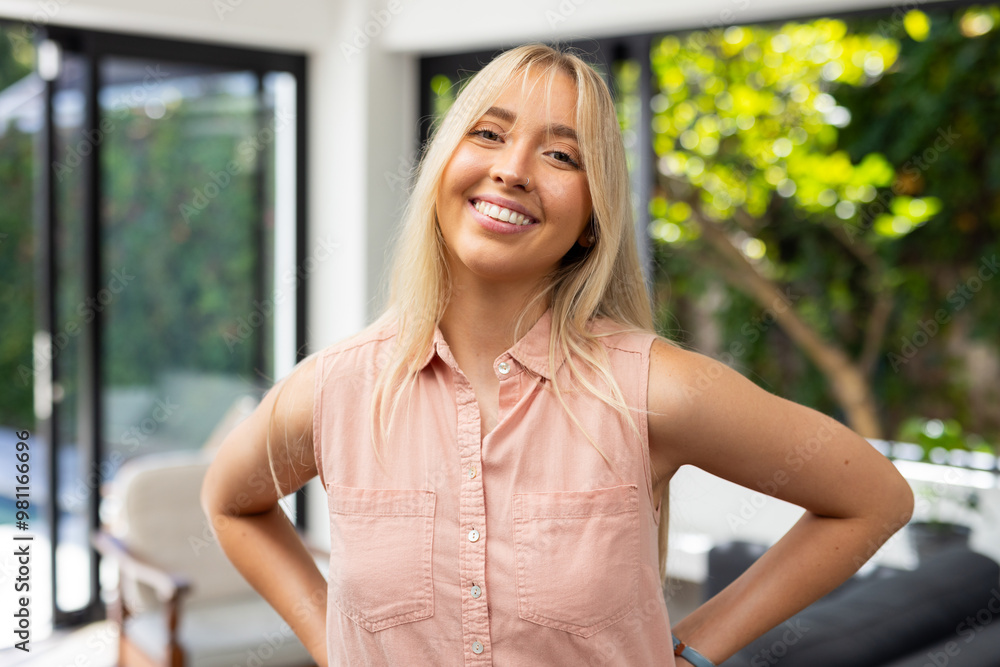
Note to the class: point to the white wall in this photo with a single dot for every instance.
(433, 26)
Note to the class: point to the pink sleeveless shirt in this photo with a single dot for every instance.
(521, 548)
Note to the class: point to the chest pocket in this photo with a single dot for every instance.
(380, 555)
(577, 557)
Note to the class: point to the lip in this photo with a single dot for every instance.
(497, 226)
(505, 203)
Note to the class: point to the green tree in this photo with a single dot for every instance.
(765, 182)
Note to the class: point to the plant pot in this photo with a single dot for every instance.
(930, 537)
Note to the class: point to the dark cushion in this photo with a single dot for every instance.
(970, 645)
(883, 620)
(729, 560)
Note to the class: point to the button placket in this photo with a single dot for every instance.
(472, 515)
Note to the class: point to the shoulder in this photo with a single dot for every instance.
(373, 336)
(687, 385)
(614, 335)
(361, 350)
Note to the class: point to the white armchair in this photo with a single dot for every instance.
(179, 602)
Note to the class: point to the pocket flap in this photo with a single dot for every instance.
(380, 502)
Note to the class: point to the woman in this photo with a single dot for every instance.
(496, 446)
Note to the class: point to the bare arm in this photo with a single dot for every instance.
(707, 415)
(240, 499)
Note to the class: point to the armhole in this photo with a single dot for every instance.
(318, 382)
(646, 352)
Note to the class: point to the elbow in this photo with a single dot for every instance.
(209, 496)
(906, 503)
(899, 503)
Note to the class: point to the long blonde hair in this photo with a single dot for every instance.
(604, 280)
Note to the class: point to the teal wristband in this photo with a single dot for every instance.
(689, 654)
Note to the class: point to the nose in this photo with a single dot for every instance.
(512, 165)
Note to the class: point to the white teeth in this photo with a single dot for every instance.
(502, 214)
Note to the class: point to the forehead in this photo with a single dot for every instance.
(541, 99)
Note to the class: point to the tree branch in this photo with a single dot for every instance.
(878, 317)
(848, 384)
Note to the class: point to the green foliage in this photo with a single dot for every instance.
(848, 160)
(934, 434)
(17, 279)
(748, 114)
(195, 277)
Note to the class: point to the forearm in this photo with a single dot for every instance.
(270, 555)
(812, 559)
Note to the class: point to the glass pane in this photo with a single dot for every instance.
(21, 121)
(197, 249)
(180, 254)
(77, 481)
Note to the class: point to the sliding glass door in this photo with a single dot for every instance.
(168, 230)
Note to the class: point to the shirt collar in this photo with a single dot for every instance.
(531, 351)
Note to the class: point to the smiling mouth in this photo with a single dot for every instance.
(502, 214)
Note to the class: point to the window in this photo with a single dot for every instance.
(167, 237)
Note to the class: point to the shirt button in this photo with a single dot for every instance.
(476, 591)
(472, 472)
(503, 367)
(473, 535)
(477, 647)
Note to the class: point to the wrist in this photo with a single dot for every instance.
(688, 655)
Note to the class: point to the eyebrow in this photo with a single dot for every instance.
(558, 129)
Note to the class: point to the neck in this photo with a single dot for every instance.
(480, 319)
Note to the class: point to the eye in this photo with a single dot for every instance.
(486, 133)
(565, 158)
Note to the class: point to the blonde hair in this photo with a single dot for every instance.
(604, 280)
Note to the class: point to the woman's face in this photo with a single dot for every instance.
(513, 197)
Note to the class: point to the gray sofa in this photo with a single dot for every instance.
(945, 613)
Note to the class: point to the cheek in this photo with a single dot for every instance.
(460, 172)
(574, 202)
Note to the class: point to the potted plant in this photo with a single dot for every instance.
(939, 439)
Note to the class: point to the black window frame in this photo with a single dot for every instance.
(96, 45)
